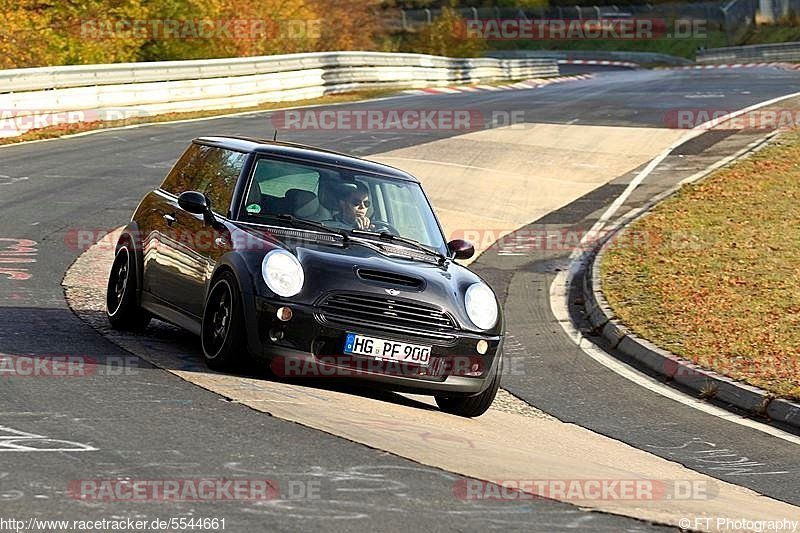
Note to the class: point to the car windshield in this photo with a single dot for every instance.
(341, 199)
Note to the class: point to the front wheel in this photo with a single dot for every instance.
(223, 330)
(471, 406)
(121, 307)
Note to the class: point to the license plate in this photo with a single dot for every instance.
(387, 350)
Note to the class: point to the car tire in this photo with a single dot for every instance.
(122, 309)
(223, 331)
(471, 406)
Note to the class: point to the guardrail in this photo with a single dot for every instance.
(751, 53)
(108, 92)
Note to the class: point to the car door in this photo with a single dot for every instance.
(157, 215)
(189, 247)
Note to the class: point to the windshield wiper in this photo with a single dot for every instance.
(294, 221)
(391, 237)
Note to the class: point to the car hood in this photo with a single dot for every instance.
(357, 266)
(361, 268)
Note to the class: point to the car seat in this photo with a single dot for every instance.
(306, 204)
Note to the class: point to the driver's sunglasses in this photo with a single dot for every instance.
(355, 202)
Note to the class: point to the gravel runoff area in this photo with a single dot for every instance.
(712, 274)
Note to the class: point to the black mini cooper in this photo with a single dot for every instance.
(322, 264)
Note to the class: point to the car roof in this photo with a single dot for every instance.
(305, 153)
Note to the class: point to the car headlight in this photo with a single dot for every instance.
(282, 273)
(481, 305)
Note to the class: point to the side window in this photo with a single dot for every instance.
(207, 169)
(179, 178)
(274, 178)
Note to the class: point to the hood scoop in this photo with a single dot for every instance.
(382, 277)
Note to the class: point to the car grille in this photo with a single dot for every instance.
(385, 312)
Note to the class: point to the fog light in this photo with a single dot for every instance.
(275, 335)
(482, 347)
(284, 314)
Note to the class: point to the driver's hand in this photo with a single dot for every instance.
(362, 223)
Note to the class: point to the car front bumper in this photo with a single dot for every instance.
(311, 346)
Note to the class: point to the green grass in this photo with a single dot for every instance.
(676, 47)
(717, 279)
(767, 34)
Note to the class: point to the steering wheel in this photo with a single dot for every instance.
(382, 225)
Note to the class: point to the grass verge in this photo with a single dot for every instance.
(715, 276)
(676, 47)
(771, 33)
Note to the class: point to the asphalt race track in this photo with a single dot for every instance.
(145, 423)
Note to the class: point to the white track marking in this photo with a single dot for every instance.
(13, 440)
(559, 289)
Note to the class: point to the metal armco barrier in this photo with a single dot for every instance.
(751, 53)
(108, 92)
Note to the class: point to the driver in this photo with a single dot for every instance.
(353, 206)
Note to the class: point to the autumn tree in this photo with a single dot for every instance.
(349, 24)
(238, 28)
(447, 36)
(40, 33)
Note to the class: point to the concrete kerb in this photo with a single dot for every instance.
(705, 383)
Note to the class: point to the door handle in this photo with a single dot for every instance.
(170, 219)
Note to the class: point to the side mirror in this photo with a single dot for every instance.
(461, 249)
(198, 204)
(194, 202)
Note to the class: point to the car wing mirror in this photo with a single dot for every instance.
(461, 249)
(198, 204)
(194, 202)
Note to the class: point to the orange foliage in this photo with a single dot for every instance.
(349, 24)
(62, 32)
